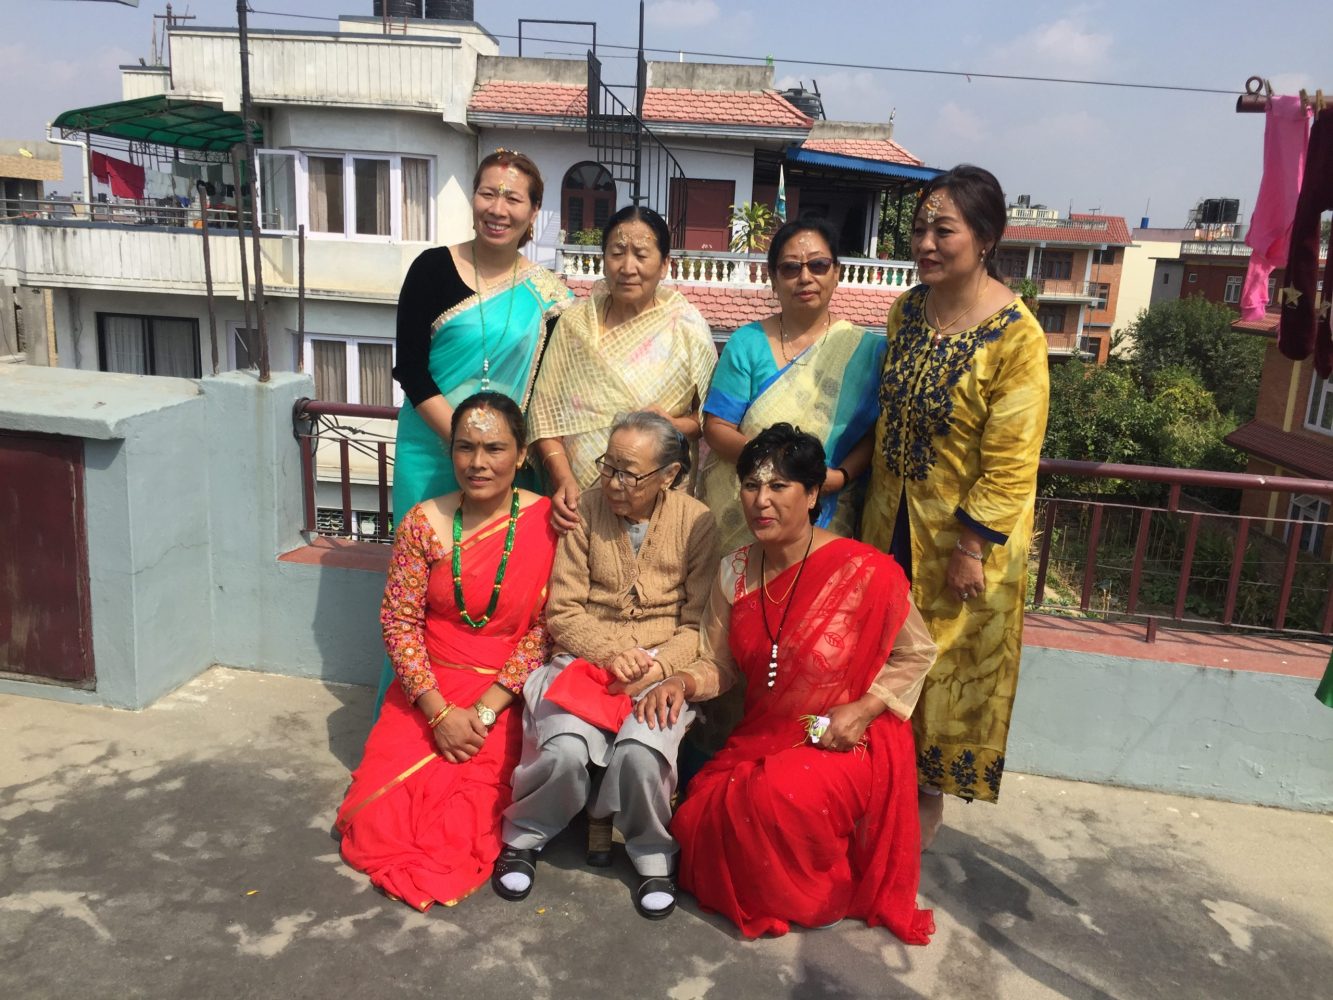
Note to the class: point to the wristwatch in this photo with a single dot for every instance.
(487, 715)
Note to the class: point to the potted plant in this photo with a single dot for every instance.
(751, 226)
(1027, 289)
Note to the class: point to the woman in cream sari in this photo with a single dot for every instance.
(632, 346)
(800, 366)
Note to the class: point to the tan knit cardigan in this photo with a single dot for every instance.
(603, 600)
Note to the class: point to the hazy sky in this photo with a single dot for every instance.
(1092, 147)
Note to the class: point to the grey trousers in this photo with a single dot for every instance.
(552, 783)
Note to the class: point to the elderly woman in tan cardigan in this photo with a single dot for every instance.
(627, 593)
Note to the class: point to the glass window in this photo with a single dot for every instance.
(1012, 262)
(371, 181)
(1052, 318)
(1106, 256)
(1102, 291)
(277, 191)
(1231, 294)
(330, 370)
(324, 176)
(1056, 264)
(149, 345)
(1309, 515)
(1319, 415)
(246, 345)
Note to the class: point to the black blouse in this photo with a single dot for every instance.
(432, 286)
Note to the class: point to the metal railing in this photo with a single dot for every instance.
(1177, 562)
(123, 211)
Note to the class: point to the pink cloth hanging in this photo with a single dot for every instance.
(1304, 325)
(1286, 134)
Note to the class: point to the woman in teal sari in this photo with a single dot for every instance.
(800, 366)
(471, 317)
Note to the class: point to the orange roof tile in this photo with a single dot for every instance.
(1090, 229)
(727, 308)
(722, 107)
(697, 107)
(883, 150)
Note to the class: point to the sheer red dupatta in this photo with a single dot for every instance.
(426, 830)
(776, 831)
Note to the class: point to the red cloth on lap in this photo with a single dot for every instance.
(582, 689)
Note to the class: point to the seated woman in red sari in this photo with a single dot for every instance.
(808, 813)
(463, 626)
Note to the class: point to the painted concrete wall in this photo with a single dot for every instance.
(1225, 734)
(1136, 278)
(193, 490)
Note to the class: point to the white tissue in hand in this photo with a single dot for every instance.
(818, 727)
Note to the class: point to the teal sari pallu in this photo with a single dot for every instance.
(515, 333)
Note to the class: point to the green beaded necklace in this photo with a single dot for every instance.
(499, 573)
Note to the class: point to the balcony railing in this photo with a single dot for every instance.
(1179, 562)
(1066, 289)
(739, 270)
(124, 211)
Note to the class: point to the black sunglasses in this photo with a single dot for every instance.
(818, 266)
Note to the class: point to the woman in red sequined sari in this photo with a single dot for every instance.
(422, 817)
(808, 813)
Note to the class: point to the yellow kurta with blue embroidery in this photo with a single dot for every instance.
(960, 434)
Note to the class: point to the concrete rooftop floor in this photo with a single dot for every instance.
(185, 851)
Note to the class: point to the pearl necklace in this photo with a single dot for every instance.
(774, 639)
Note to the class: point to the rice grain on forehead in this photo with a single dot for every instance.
(765, 472)
(482, 420)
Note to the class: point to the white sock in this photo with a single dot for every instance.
(657, 901)
(515, 881)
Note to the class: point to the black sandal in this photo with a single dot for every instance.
(514, 860)
(655, 884)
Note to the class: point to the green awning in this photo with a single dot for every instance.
(166, 121)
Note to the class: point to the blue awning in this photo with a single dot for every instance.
(854, 164)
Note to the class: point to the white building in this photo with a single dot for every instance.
(369, 141)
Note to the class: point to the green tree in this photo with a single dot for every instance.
(1098, 413)
(895, 225)
(752, 223)
(1196, 335)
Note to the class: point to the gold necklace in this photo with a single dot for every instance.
(782, 339)
(481, 313)
(939, 330)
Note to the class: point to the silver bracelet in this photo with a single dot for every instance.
(968, 552)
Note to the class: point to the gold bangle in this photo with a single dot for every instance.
(438, 717)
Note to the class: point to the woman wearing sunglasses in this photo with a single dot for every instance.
(800, 366)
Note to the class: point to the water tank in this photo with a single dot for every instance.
(449, 10)
(806, 101)
(398, 8)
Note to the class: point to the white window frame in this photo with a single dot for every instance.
(349, 194)
(298, 174)
(353, 361)
(1231, 293)
(1314, 511)
(1320, 405)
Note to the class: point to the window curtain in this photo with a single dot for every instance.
(376, 363)
(330, 370)
(372, 196)
(416, 199)
(325, 178)
(123, 345)
(175, 347)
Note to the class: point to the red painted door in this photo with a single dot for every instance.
(45, 616)
(707, 214)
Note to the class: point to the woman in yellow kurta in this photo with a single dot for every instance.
(963, 396)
